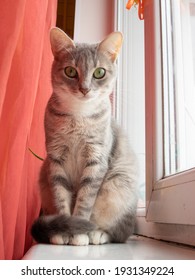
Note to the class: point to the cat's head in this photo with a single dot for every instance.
(84, 71)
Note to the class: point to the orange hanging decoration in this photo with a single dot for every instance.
(130, 4)
(140, 4)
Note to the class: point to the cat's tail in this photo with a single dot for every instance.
(45, 227)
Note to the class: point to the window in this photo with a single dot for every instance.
(168, 51)
(169, 118)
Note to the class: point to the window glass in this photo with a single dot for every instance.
(130, 93)
(178, 38)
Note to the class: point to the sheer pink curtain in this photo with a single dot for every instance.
(25, 62)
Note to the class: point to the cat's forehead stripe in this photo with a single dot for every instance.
(86, 56)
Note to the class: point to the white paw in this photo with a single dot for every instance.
(59, 239)
(79, 240)
(97, 237)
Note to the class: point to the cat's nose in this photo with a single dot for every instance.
(84, 90)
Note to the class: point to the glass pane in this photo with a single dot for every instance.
(130, 94)
(178, 40)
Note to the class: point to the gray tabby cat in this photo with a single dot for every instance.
(88, 181)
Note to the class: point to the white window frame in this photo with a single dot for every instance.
(166, 197)
(170, 201)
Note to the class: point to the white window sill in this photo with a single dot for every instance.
(137, 248)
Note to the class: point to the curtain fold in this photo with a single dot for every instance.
(25, 65)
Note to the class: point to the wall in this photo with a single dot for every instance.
(93, 20)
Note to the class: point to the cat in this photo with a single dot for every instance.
(88, 181)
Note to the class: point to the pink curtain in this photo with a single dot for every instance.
(25, 63)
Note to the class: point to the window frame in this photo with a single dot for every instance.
(161, 191)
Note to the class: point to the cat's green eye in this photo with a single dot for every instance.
(71, 72)
(99, 73)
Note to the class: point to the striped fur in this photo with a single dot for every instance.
(88, 182)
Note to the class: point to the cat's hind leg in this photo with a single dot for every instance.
(114, 210)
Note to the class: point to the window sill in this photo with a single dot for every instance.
(137, 248)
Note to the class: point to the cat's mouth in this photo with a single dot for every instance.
(86, 97)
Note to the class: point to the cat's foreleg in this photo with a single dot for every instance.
(60, 188)
(84, 204)
(90, 183)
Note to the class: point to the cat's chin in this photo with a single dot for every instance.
(87, 98)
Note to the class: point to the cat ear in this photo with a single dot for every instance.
(111, 45)
(59, 40)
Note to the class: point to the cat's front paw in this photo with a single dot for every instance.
(59, 239)
(97, 237)
(79, 240)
